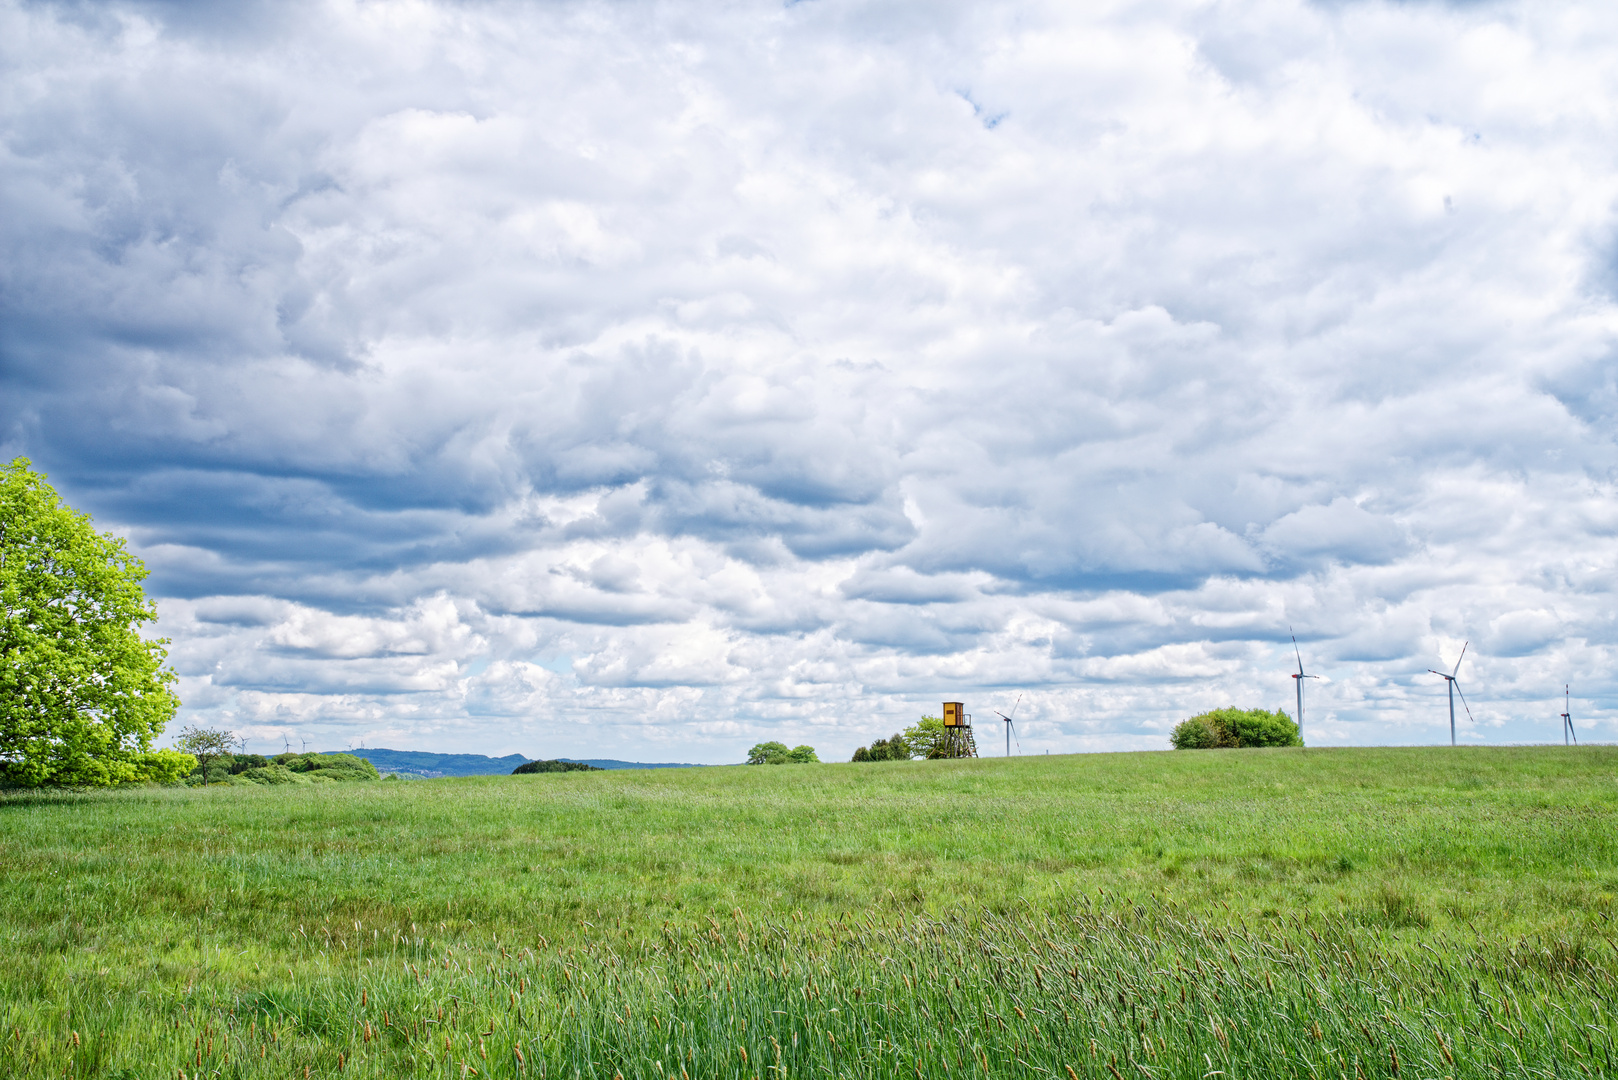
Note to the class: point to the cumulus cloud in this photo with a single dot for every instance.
(655, 378)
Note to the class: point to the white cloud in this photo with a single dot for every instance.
(666, 377)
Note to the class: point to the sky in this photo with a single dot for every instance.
(649, 380)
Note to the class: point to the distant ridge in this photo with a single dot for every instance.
(425, 763)
(614, 763)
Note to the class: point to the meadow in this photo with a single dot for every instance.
(1353, 913)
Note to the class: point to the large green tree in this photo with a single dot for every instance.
(82, 694)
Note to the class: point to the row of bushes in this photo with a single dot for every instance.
(553, 766)
(251, 769)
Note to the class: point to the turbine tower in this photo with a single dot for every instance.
(1300, 676)
(1567, 716)
(1009, 725)
(1454, 688)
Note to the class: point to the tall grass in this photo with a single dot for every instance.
(1118, 916)
(1104, 990)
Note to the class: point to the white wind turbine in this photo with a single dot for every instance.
(1455, 688)
(1010, 725)
(1300, 676)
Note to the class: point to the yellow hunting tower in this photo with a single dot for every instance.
(958, 741)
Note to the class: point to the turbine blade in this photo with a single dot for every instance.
(1295, 650)
(1457, 670)
(1463, 700)
(1015, 704)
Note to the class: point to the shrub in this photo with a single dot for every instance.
(1233, 727)
(271, 775)
(344, 767)
(339, 767)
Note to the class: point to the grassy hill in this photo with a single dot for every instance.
(1293, 912)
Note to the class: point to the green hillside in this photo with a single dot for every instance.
(1329, 886)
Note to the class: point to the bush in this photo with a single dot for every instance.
(323, 767)
(271, 775)
(1233, 727)
(553, 766)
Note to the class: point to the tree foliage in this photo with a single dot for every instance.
(82, 694)
(1234, 728)
(927, 738)
(776, 753)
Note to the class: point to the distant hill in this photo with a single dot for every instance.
(423, 763)
(614, 763)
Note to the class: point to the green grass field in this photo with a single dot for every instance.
(1411, 912)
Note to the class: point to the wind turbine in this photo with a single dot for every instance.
(1300, 676)
(1454, 688)
(1009, 725)
(1567, 716)
(286, 743)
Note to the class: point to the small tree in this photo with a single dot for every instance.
(82, 694)
(206, 744)
(927, 739)
(802, 755)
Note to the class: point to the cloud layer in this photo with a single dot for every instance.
(646, 380)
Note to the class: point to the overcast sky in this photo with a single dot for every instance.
(647, 380)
